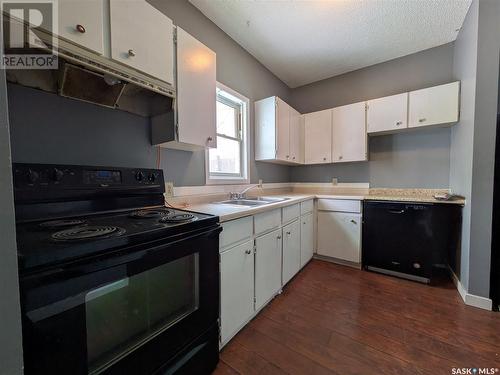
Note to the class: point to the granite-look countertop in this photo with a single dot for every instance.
(228, 212)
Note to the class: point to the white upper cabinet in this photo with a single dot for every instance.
(349, 140)
(318, 137)
(277, 131)
(81, 22)
(282, 130)
(434, 105)
(142, 38)
(296, 137)
(387, 114)
(196, 92)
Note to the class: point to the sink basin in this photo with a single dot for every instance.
(245, 202)
(257, 201)
(268, 199)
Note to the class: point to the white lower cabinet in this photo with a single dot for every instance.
(267, 267)
(291, 250)
(306, 239)
(339, 235)
(237, 288)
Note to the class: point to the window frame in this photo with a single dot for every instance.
(217, 178)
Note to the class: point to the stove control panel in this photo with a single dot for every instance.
(59, 177)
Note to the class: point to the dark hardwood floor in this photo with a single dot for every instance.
(332, 319)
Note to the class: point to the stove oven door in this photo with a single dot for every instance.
(134, 312)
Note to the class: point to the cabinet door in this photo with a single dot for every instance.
(236, 288)
(434, 105)
(296, 150)
(306, 239)
(267, 267)
(81, 22)
(349, 139)
(388, 113)
(196, 91)
(318, 137)
(282, 130)
(339, 235)
(291, 250)
(142, 38)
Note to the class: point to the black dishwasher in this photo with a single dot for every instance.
(408, 239)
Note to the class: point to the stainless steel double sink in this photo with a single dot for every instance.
(250, 202)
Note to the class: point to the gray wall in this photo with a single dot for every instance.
(413, 159)
(236, 69)
(464, 69)
(484, 147)
(476, 64)
(10, 313)
(60, 130)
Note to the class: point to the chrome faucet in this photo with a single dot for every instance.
(242, 194)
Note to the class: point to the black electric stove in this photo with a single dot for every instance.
(111, 279)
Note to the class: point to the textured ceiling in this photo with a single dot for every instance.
(303, 41)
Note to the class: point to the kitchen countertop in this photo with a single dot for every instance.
(228, 212)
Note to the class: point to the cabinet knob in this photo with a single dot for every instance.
(210, 139)
(399, 123)
(131, 53)
(353, 221)
(324, 159)
(293, 158)
(288, 233)
(80, 29)
(422, 119)
(248, 251)
(341, 157)
(279, 237)
(288, 156)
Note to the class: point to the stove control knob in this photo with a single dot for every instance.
(33, 176)
(152, 177)
(139, 176)
(57, 175)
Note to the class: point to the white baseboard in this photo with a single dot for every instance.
(471, 299)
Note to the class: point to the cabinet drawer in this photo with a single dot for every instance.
(267, 221)
(342, 205)
(291, 212)
(306, 207)
(235, 231)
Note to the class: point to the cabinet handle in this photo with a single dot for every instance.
(304, 223)
(422, 119)
(399, 123)
(396, 211)
(288, 233)
(278, 238)
(288, 156)
(353, 221)
(210, 139)
(324, 159)
(341, 157)
(396, 263)
(248, 251)
(80, 29)
(293, 158)
(131, 53)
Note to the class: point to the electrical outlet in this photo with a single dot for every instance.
(335, 181)
(169, 189)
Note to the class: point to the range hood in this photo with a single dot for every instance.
(85, 76)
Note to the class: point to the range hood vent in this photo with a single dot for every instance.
(104, 89)
(88, 86)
